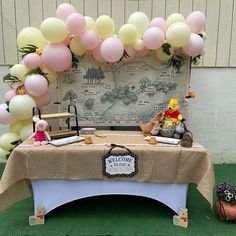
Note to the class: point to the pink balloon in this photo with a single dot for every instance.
(5, 116)
(194, 46)
(9, 95)
(196, 21)
(36, 85)
(131, 52)
(43, 100)
(97, 54)
(160, 23)
(153, 38)
(143, 52)
(64, 10)
(57, 57)
(76, 24)
(112, 49)
(32, 61)
(89, 40)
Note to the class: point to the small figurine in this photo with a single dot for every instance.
(182, 218)
(38, 218)
(172, 114)
(41, 135)
(153, 126)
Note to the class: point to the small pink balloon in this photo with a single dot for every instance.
(76, 24)
(196, 21)
(153, 38)
(143, 52)
(57, 57)
(131, 52)
(43, 100)
(64, 10)
(112, 49)
(5, 116)
(36, 85)
(97, 54)
(32, 61)
(9, 95)
(90, 39)
(160, 23)
(194, 46)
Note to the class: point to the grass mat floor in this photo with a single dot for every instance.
(120, 215)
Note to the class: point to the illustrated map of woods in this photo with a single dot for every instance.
(124, 93)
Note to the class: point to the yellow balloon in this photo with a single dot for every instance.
(128, 33)
(31, 35)
(140, 21)
(21, 106)
(90, 23)
(177, 35)
(51, 75)
(7, 139)
(16, 127)
(19, 70)
(76, 47)
(162, 56)
(105, 26)
(3, 153)
(138, 44)
(173, 18)
(26, 131)
(54, 29)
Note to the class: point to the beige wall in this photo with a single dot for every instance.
(220, 27)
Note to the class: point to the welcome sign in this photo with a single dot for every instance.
(120, 164)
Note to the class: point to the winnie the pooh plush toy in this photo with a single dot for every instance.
(172, 115)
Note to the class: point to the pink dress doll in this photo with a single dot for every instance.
(41, 135)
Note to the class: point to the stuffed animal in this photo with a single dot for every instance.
(182, 218)
(41, 135)
(153, 126)
(172, 114)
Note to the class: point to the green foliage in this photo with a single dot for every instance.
(28, 49)
(166, 48)
(194, 59)
(15, 144)
(226, 192)
(176, 61)
(9, 79)
(70, 95)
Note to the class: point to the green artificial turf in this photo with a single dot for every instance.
(121, 215)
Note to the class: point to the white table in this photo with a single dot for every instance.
(52, 193)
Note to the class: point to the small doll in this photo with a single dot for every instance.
(41, 135)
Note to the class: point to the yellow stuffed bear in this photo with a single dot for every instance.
(172, 114)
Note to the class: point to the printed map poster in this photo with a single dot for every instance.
(122, 93)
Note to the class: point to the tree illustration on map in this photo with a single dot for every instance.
(94, 75)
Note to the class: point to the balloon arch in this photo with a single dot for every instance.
(59, 42)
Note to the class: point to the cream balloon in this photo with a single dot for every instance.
(31, 35)
(50, 75)
(19, 71)
(128, 33)
(90, 23)
(16, 127)
(26, 131)
(138, 44)
(4, 153)
(177, 35)
(105, 26)
(7, 139)
(54, 30)
(173, 18)
(140, 21)
(76, 47)
(21, 106)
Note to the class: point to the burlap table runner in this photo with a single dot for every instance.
(157, 163)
